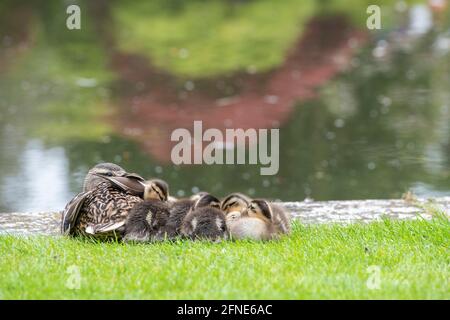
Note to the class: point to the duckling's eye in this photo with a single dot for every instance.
(215, 205)
(231, 204)
(160, 195)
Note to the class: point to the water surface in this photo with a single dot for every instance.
(361, 115)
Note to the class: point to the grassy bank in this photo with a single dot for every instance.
(320, 261)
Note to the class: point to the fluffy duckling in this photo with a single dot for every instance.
(241, 226)
(261, 220)
(280, 217)
(235, 202)
(205, 222)
(147, 219)
(182, 207)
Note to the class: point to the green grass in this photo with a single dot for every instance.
(319, 261)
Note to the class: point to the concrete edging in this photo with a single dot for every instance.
(308, 211)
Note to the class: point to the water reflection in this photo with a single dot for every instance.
(421, 19)
(361, 116)
(40, 182)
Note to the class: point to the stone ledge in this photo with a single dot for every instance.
(365, 210)
(350, 211)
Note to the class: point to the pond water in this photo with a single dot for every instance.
(367, 116)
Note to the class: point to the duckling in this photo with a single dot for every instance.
(182, 207)
(260, 221)
(205, 222)
(235, 202)
(282, 218)
(278, 216)
(207, 200)
(241, 226)
(156, 189)
(146, 220)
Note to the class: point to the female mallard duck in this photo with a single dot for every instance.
(261, 220)
(109, 195)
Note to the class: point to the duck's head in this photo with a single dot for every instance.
(207, 200)
(156, 189)
(96, 174)
(235, 202)
(258, 208)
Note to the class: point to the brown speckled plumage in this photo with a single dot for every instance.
(103, 211)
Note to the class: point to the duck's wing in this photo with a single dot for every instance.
(132, 183)
(71, 212)
(107, 227)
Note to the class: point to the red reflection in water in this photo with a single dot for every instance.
(15, 37)
(155, 103)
